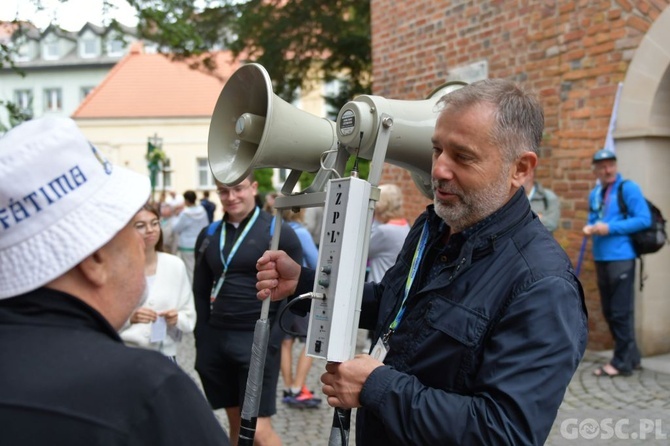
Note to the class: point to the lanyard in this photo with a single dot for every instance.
(603, 202)
(233, 250)
(416, 260)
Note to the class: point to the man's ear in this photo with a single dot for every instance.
(94, 268)
(523, 167)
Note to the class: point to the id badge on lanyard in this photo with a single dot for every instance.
(382, 347)
(216, 288)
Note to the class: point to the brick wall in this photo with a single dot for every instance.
(572, 53)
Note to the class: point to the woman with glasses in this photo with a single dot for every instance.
(167, 310)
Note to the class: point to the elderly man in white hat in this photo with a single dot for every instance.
(72, 271)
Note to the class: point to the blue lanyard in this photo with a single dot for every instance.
(416, 260)
(233, 250)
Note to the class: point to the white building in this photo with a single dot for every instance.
(60, 68)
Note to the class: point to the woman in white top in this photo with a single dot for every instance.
(168, 310)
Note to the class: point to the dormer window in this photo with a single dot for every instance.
(51, 48)
(115, 47)
(88, 47)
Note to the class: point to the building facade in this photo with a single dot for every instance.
(574, 55)
(57, 68)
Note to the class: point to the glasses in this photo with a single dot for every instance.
(237, 190)
(143, 226)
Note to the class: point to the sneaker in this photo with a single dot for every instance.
(305, 399)
(288, 396)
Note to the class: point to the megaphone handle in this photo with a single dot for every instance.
(339, 433)
(252, 395)
(379, 154)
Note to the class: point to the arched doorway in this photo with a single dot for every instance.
(642, 140)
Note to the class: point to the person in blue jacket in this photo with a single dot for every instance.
(480, 323)
(615, 257)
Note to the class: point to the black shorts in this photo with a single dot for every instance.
(296, 324)
(222, 362)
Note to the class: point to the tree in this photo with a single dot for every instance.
(299, 42)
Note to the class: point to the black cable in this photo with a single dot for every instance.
(288, 305)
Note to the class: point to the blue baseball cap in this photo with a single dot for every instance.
(602, 155)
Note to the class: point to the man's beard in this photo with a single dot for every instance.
(471, 207)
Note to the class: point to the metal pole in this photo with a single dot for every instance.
(581, 256)
(252, 395)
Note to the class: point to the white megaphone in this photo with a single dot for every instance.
(252, 128)
(409, 147)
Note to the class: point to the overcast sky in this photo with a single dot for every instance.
(70, 15)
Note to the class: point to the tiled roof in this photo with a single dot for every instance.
(152, 86)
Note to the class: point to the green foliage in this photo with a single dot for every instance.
(264, 179)
(299, 42)
(16, 115)
(306, 178)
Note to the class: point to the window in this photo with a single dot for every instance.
(22, 51)
(24, 101)
(53, 99)
(205, 177)
(88, 48)
(164, 178)
(115, 46)
(85, 91)
(51, 49)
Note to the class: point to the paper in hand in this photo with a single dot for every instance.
(158, 330)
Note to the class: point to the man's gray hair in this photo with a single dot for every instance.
(519, 119)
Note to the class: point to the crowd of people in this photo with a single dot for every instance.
(476, 317)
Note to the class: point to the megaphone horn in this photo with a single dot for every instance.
(252, 128)
(413, 125)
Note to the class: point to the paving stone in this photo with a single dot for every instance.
(645, 395)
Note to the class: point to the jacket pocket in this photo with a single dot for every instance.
(464, 324)
(457, 335)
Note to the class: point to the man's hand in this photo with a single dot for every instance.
(277, 275)
(343, 382)
(599, 228)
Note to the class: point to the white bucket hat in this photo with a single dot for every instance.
(60, 200)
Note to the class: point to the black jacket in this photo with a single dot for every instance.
(67, 379)
(486, 348)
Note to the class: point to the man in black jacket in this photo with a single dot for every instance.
(481, 322)
(72, 272)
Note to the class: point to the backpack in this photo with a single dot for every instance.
(211, 229)
(648, 240)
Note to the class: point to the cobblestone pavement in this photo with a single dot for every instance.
(596, 410)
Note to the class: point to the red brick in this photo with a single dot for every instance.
(573, 53)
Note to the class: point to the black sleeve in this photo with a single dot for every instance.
(202, 279)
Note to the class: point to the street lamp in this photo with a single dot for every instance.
(155, 158)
